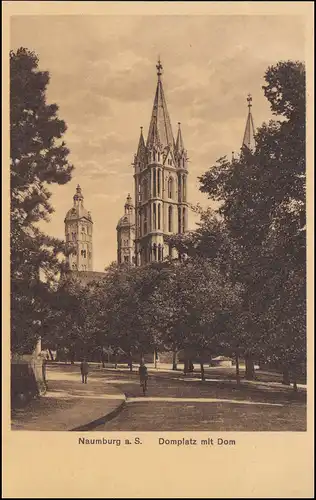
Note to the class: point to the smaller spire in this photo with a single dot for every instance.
(179, 141)
(249, 135)
(141, 146)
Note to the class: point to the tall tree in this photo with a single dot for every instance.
(262, 201)
(38, 159)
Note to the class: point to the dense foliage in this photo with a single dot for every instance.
(38, 158)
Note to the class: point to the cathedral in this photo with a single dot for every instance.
(161, 199)
(160, 178)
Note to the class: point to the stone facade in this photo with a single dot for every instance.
(78, 235)
(125, 231)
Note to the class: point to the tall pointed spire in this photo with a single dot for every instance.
(160, 131)
(141, 144)
(249, 135)
(179, 142)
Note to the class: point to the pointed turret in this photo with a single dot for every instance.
(249, 135)
(179, 142)
(141, 144)
(160, 131)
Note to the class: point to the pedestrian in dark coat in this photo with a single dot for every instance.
(84, 368)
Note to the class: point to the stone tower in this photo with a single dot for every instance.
(160, 173)
(125, 230)
(78, 234)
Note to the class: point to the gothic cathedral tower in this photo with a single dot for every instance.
(78, 234)
(160, 173)
(125, 230)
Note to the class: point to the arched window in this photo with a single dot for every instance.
(159, 252)
(184, 188)
(179, 188)
(141, 222)
(170, 187)
(170, 210)
(145, 190)
(159, 217)
(145, 220)
(183, 219)
(155, 182)
(155, 216)
(74, 267)
(179, 220)
(159, 181)
(154, 251)
(73, 236)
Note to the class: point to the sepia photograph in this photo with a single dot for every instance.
(158, 224)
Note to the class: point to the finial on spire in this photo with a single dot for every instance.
(249, 100)
(179, 124)
(78, 194)
(159, 68)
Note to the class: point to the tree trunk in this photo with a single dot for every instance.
(185, 368)
(174, 360)
(237, 369)
(51, 354)
(130, 363)
(202, 371)
(286, 376)
(250, 368)
(295, 385)
(155, 358)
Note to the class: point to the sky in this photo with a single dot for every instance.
(103, 78)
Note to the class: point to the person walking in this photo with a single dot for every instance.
(84, 368)
(143, 376)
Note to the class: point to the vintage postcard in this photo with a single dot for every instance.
(157, 243)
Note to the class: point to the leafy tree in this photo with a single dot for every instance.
(38, 158)
(262, 202)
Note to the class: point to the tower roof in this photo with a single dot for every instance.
(179, 142)
(141, 150)
(249, 135)
(78, 211)
(128, 218)
(160, 131)
(128, 202)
